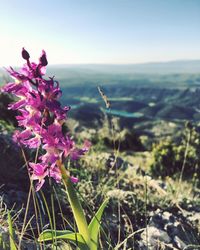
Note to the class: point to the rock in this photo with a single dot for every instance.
(153, 235)
(194, 217)
(180, 244)
(13, 170)
(4, 234)
(114, 161)
(12, 195)
(169, 230)
(7, 115)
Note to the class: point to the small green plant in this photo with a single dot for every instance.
(87, 236)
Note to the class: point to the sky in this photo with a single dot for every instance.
(100, 31)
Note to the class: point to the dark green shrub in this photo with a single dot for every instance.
(170, 158)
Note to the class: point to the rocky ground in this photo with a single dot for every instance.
(141, 213)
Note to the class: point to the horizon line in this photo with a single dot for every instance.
(113, 64)
(125, 64)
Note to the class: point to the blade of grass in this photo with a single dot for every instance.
(48, 235)
(94, 226)
(11, 233)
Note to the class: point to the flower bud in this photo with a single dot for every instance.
(43, 59)
(25, 54)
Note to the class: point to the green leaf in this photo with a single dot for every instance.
(49, 235)
(95, 226)
(11, 233)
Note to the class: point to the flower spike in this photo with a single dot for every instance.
(41, 118)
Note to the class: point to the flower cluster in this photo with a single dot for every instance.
(41, 118)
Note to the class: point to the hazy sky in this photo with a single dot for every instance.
(100, 31)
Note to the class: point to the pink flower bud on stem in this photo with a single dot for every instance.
(25, 54)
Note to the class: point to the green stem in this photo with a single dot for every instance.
(76, 207)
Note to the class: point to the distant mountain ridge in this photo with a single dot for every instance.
(170, 67)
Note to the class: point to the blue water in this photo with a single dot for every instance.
(114, 112)
(76, 106)
(123, 113)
